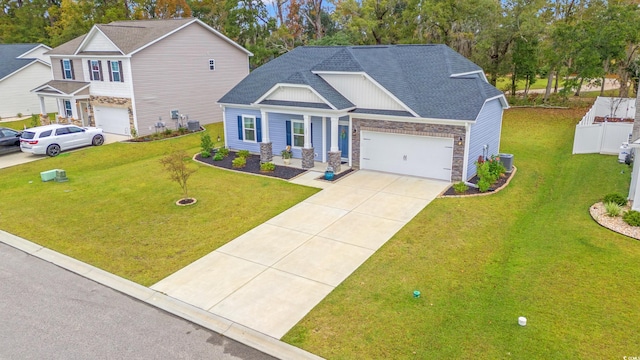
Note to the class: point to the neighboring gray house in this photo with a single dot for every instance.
(22, 67)
(421, 110)
(131, 74)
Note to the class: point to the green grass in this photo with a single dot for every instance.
(504, 84)
(117, 211)
(531, 250)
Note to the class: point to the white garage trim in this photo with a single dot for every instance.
(423, 156)
(112, 119)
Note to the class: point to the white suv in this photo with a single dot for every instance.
(52, 139)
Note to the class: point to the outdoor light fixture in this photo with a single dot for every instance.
(218, 137)
(460, 140)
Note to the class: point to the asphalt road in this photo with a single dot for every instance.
(47, 312)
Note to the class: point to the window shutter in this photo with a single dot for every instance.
(121, 72)
(109, 66)
(258, 130)
(73, 74)
(239, 127)
(100, 68)
(288, 130)
(62, 68)
(311, 125)
(90, 70)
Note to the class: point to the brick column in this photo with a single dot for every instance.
(335, 159)
(266, 152)
(308, 158)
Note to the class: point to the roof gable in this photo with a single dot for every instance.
(129, 37)
(11, 60)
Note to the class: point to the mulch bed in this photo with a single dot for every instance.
(253, 166)
(162, 135)
(601, 119)
(474, 191)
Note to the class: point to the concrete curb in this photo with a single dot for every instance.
(237, 332)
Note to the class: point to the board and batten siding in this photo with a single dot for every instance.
(277, 132)
(361, 91)
(15, 91)
(174, 74)
(56, 68)
(486, 131)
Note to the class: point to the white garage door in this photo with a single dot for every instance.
(423, 156)
(112, 120)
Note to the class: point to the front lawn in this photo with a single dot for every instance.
(531, 250)
(117, 211)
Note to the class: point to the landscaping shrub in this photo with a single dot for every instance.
(612, 209)
(168, 132)
(205, 154)
(218, 156)
(460, 187)
(268, 166)
(243, 153)
(223, 151)
(206, 144)
(632, 218)
(239, 162)
(483, 185)
(615, 198)
(35, 120)
(496, 168)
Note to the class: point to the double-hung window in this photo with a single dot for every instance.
(249, 128)
(67, 108)
(95, 70)
(115, 71)
(67, 69)
(297, 133)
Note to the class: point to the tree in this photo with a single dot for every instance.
(176, 165)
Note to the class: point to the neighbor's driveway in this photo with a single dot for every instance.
(12, 159)
(272, 276)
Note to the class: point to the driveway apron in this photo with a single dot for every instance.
(269, 278)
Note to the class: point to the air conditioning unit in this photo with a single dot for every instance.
(193, 125)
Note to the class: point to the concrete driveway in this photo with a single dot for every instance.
(269, 278)
(12, 159)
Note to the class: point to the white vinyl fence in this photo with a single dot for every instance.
(604, 137)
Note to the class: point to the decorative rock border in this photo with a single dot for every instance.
(599, 215)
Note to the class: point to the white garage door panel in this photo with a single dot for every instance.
(423, 156)
(112, 120)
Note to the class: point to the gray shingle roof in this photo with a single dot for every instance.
(418, 75)
(67, 87)
(9, 61)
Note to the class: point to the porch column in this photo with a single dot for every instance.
(266, 148)
(43, 107)
(334, 152)
(307, 150)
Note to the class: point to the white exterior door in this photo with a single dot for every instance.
(422, 156)
(112, 120)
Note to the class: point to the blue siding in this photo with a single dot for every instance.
(486, 130)
(231, 123)
(277, 134)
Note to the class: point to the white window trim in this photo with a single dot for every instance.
(212, 62)
(99, 78)
(113, 73)
(293, 134)
(64, 69)
(69, 109)
(255, 129)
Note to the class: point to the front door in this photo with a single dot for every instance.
(343, 134)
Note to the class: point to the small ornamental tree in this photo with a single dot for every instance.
(177, 168)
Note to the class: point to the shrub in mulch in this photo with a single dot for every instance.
(252, 166)
(475, 191)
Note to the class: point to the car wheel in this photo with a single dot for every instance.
(98, 140)
(53, 150)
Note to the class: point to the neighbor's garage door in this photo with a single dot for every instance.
(423, 156)
(112, 120)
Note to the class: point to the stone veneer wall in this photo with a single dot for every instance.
(112, 102)
(411, 128)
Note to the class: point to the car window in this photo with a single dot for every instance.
(62, 131)
(45, 134)
(28, 135)
(4, 133)
(74, 129)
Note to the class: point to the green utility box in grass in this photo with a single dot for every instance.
(48, 175)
